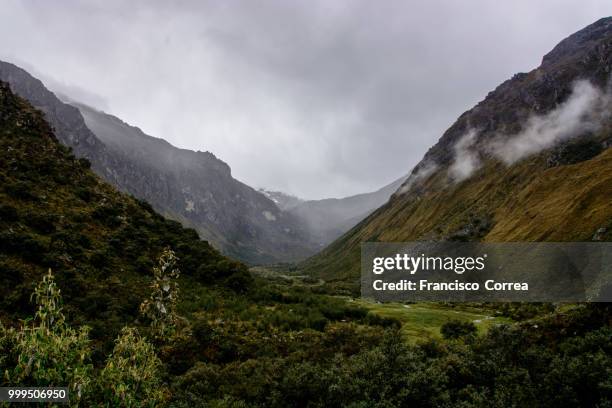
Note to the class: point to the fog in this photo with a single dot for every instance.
(585, 110)
(466, 159)
(317, 99)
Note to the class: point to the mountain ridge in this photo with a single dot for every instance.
(486, 205)
(241, 222)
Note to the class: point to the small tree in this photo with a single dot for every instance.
(48, 352)
(160, 308)
(131, 376)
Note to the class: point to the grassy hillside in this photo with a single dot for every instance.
(562, 193)
(526, 202)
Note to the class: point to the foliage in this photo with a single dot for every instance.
(56, 213)
(46, 352)
(455, 329)
(131, 376)
(253, 342)
(160, 308)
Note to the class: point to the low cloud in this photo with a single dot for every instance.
(584, 111)
(466, 159)
(419, 174)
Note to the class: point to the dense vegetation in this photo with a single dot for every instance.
(233, 339)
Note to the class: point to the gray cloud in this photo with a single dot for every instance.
(466, 159)
(584, 111)
(319, 98)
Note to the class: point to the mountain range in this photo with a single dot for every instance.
(195, 188)
(483, 180)
(531, 162)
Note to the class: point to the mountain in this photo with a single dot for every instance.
(329, 218)
(531, 162)
(199, 190)
(242, 341)
(195, 188)
(101, 243)
(282, 200)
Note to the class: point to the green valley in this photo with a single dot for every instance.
(102, 294)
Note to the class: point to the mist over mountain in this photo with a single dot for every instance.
(282, 200)
(531, 162)
(134, 273)
(198, 189)
(329, 218)
(195, 188)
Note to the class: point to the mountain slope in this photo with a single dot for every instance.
(195, 188)
(282, 200)
(531, 162)
(101, 244)
(198, 189)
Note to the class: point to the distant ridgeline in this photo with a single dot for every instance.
(531, 162)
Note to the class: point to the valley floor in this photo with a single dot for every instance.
(422, 321)
(419, 321)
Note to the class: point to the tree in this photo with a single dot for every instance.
(160, 308)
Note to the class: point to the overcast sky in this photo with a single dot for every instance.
(318, 98)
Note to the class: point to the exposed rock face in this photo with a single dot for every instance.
(282, 200)
(198, 189)
(195, 188)
(65, 119)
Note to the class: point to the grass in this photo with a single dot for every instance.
(526, 202)
(422, 321)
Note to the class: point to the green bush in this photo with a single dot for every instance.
(132, 374)
(456, 329)
(46, 351)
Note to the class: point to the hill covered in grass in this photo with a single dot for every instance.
(531, 162)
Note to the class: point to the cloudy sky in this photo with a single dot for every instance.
(319, 98)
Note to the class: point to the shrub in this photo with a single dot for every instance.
(43, 223)
(455, 329)
(8, 213)
(21, 190)
(132, 374)
(48, 352)
(160, 308)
